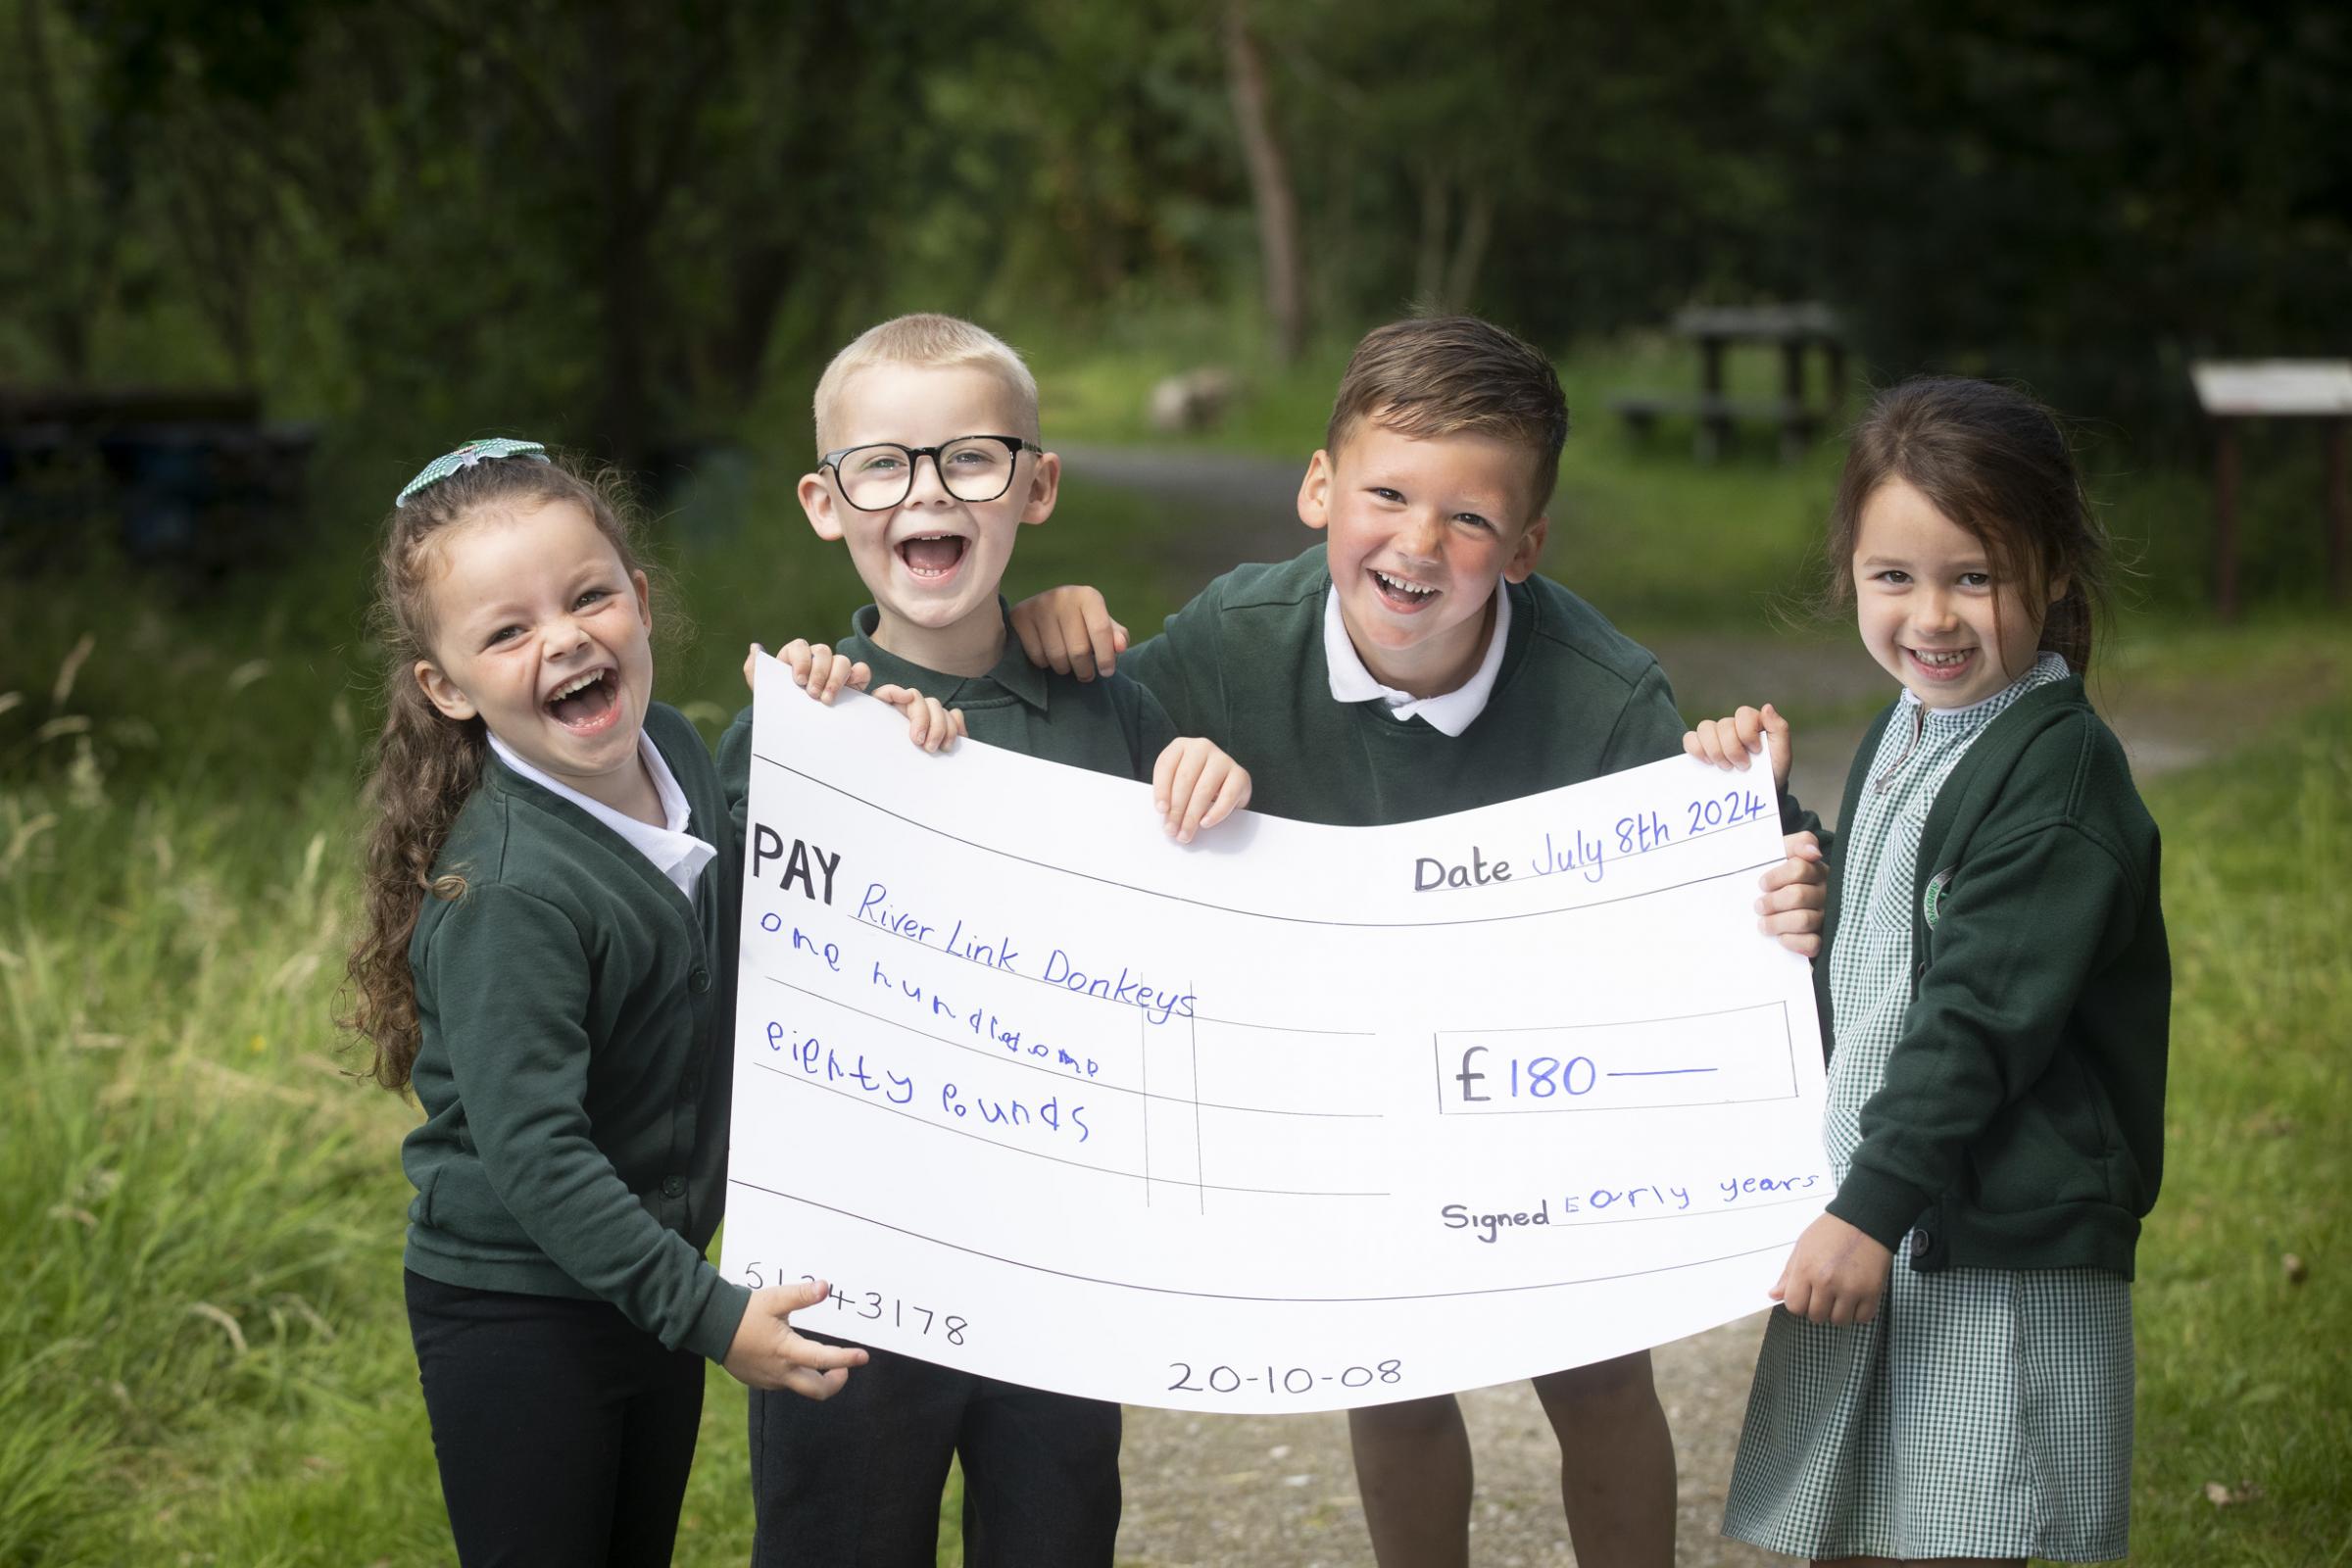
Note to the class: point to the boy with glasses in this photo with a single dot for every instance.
(931, 465)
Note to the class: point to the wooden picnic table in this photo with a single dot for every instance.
(1797, 330)
(2320, 390)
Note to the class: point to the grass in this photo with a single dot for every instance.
(201, 1354)
(2244, 1379)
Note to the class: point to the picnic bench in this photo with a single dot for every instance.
(2319, 390)
(191, 479)
(1797, 330)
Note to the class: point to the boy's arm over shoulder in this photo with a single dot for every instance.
(1187, 666)
(1148, 724)
(1181, 669)
(1257, 613)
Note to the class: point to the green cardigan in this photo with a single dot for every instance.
(576, 1009)
(1243, 663)
(1111, 726)
(2021, 1124)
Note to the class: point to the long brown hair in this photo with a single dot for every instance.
(426, 764)
(1995, 463)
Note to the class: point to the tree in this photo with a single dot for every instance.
(1270, 189)
(2083, 197)
(529, 209)
(65, 253)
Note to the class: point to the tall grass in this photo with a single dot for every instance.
(187, 1179)
(202, 1355)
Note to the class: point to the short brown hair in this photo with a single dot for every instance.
(1442, 375)
(934, 342)
(1997, 463)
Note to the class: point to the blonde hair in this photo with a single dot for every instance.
(1435, 377)
(934, 342)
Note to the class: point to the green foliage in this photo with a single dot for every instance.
(614, 225)
(590, 219)
(2030, 192)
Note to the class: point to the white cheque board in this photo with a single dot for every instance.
(1293, 1118)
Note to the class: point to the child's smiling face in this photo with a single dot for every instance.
(1421, 533)
(540, 631)
(1931, 610)
(933, 562)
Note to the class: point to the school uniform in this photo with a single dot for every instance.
(574, 1005)
(856, 1478)
(1261, 662)
(1997, 989)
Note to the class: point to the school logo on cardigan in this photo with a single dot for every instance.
(1933, 898)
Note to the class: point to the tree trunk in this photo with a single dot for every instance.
(1269, 185)
(65, 315)
(1469, 251)
(1429, 259)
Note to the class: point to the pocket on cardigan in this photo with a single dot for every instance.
(2037, 1155)
(421, 1208)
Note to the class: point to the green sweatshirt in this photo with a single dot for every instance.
(576, 1012)
(1111, 726)
(2021, 1124)
(1244, 664)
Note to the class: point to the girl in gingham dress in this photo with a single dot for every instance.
(1951, 1374)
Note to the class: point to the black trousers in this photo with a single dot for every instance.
(564, 1432)
(855, 1480)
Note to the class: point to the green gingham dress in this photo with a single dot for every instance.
(1984, 1412)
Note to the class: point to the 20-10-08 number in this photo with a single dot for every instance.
(1298, 1380)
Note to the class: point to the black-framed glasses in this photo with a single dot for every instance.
(971, 467)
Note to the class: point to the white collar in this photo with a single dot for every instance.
(675, 853)
(1449, 713)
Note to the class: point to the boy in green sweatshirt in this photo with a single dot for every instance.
(1411, 666)
(931, 464)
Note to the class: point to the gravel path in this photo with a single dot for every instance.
(1280, 1490)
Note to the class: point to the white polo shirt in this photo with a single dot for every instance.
(1450, 712)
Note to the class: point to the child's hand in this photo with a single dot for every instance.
(816, 668)
(1794, 892)
(928, 724)
(1196, 785)
(1732, 742)
(1069, 631)
(766, 1354)
(1834, 1275)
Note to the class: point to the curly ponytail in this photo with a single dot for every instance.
(426, 764)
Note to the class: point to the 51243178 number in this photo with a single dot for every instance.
(874, 1306)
